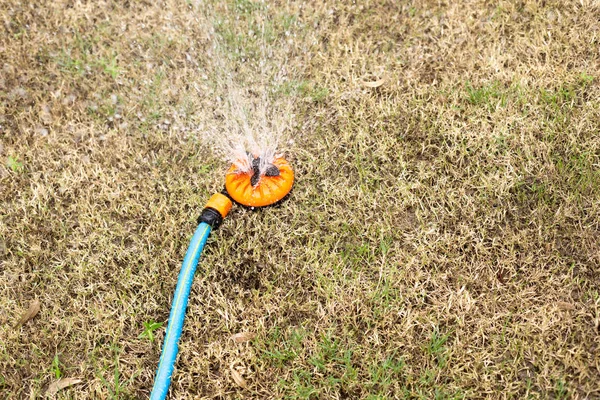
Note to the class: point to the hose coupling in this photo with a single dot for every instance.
(217, 208)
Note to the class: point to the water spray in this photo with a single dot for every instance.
(253, 182)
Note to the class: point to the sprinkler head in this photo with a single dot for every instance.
(271, 170)
(255, 189)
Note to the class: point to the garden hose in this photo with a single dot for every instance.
(249, 188)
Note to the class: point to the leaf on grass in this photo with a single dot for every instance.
(241, 382)
(243, 337)
(34, 308)
(61, 384)
(563, 305)
(374, 84)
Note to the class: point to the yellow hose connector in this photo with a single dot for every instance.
(221, 203)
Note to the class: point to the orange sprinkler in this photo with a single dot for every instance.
(253, 189)
(262, 185)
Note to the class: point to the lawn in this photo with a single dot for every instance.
(442, 239)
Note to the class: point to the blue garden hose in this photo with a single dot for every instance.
(180, 301)
(250, 193)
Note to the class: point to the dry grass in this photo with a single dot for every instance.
(442, 240)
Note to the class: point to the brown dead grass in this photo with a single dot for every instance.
(442, 239)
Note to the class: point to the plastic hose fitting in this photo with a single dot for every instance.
(217, 208)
